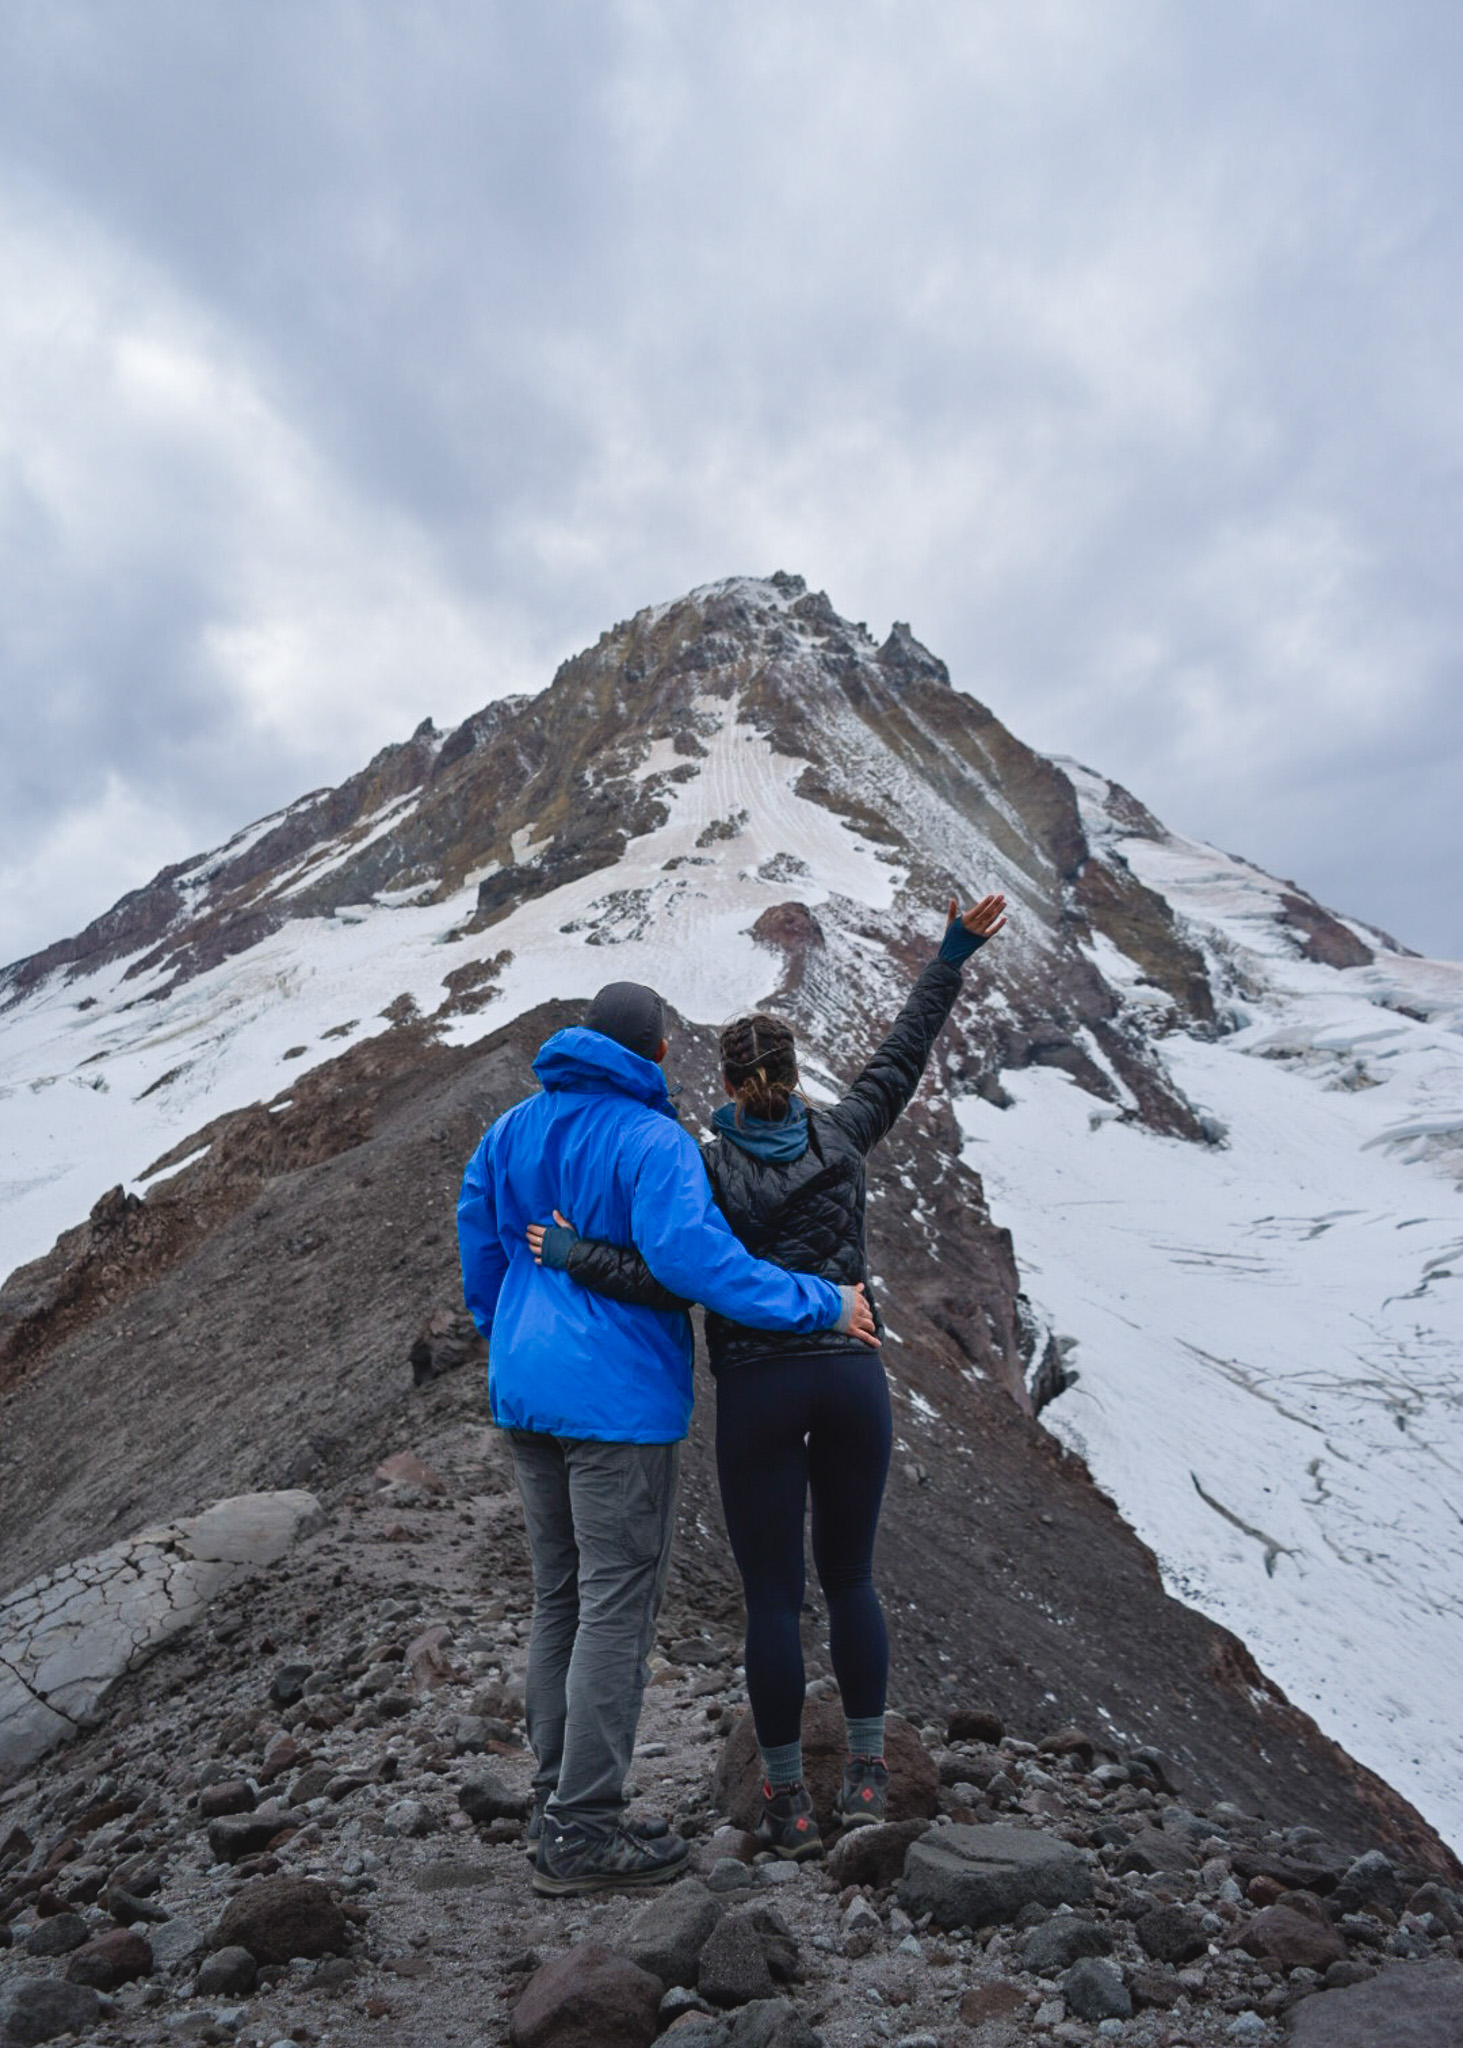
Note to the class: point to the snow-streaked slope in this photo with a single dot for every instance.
(1269, 1335)
(97, 1080)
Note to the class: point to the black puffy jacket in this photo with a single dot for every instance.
(805, 1215)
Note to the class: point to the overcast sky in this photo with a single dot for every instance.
(360, 361)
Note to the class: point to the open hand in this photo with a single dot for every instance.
(861, 1324)
(535, 1235)
(984, 919)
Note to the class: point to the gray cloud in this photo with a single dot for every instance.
(358, 363)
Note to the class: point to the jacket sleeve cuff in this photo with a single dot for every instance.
(848, 1297)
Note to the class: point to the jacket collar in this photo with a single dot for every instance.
(779, 1143)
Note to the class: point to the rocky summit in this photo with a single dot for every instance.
(271, 1786)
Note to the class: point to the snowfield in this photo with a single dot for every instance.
(1269, 1334)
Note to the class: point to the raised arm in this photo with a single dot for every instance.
(883, 1090)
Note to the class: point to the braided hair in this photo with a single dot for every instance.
(759, 1060)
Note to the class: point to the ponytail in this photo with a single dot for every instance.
(759, 1060)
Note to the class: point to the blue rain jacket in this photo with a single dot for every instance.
(601, 1144)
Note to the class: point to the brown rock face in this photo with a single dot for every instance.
(589, 1998)
(278, 1918)
(1281, 1934)
(914, 1784)
(110, 1960)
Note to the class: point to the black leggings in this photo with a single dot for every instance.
(819, 1421)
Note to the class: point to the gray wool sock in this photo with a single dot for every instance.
(783, 1766)
(865, 1736)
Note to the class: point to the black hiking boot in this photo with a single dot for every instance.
(648, 1827)
(574, 1859)
(788, 1828)
(864, 1794)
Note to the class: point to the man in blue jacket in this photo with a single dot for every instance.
(596, 1397)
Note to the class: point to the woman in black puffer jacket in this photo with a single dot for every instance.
(801, 1414)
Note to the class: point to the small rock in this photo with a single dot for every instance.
(288, 1683)
(589, 1998)
(1069, 1742)
(486, 1798)
(57, 1936)
(111, 1959)
(1369, 1882)
(974, 1724)
(666, 1936)
(973, 1876)
(999, 2001)
(727, 1874)
(176, 1942)
(234, 1795)
(862, 1928)
(743, 1954)
(1094, 1990)
(406, 1817)
(239, 1835)
(1062, 1940)
(39, 2008)
(1170, 1935)
(873, 1856)
(227, 1973)
(1246, 2026)
(277, 1918)
(126, 1908)
(771, 2023)
(1281, 1934)
(1152, 1851)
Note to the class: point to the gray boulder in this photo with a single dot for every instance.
(733, 1968)
(1369, 1882)
(589, 1998)
(668, 1933)
(1062, 1941)
(977, 1876)
(1094, 1990)
(57, 1936)
(39, 2008)
(1419, 2006)
(771, 2023)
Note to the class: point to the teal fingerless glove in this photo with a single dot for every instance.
(958, 944)
(559, 1241)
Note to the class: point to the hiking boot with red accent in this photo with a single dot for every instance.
(788, 1829)
(864, 1793)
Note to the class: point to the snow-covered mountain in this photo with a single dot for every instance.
(1223, 1125)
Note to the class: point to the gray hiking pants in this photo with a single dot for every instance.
(600, 1519)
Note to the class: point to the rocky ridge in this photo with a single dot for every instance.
(302, 1819)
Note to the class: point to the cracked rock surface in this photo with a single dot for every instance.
(69, 1635)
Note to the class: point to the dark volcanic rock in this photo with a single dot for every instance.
(111, 1959)
(57, 1936)
(974, 1724)
(1419, 2006)
(233, 1796)
(972, 1876)
(1061, 1941)
(1281, 1934)
(1371, 1881)
(771, 2023)
(589, 1998)
(668, 1933)
(228, 1973)
(278, 1918)
(914, 1786)
(874, 1856)
(39, 2008)
(733, 1968)
(1170, 1934)
(486, 1798)
(1152, 1850)
(239, 1835)
(1094, 1990)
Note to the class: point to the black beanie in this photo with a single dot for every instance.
(631, 1014)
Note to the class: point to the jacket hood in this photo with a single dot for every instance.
(587, 1063)
(777, 1142)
